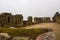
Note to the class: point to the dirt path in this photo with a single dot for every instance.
(54, 26)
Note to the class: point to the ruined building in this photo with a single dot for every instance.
(28, 22)
(41, 19)
(9, 20)
(38, 20)
(56, 17)
(6, 20)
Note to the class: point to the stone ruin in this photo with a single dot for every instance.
(56, 17)
(27, 22)
(9, 20)
(41, 19)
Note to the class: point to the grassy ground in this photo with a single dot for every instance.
(23, 32)
(29, 29)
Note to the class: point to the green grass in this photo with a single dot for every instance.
(22, 32)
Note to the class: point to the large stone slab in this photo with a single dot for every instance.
(46, 36)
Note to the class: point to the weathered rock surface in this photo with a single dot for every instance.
(46, 36)
(4, 36)
(20, 38)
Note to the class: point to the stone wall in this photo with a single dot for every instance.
(5, 19)
(41, 19)
(9, 20)
(38, 20)
(30, 20)
(19, 20)
(56, 17)
(46, 19)
(25, 23)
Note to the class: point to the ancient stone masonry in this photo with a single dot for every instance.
(9, 20)
(41, 19)
(29, 20)
(38, 20)
(25, 23)
(46, 19)
(5, 19)
(56, 17)
(19, 20)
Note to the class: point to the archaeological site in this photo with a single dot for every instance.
(42, 28)
(9, 20)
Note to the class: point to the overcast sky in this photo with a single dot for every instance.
(39, 8)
